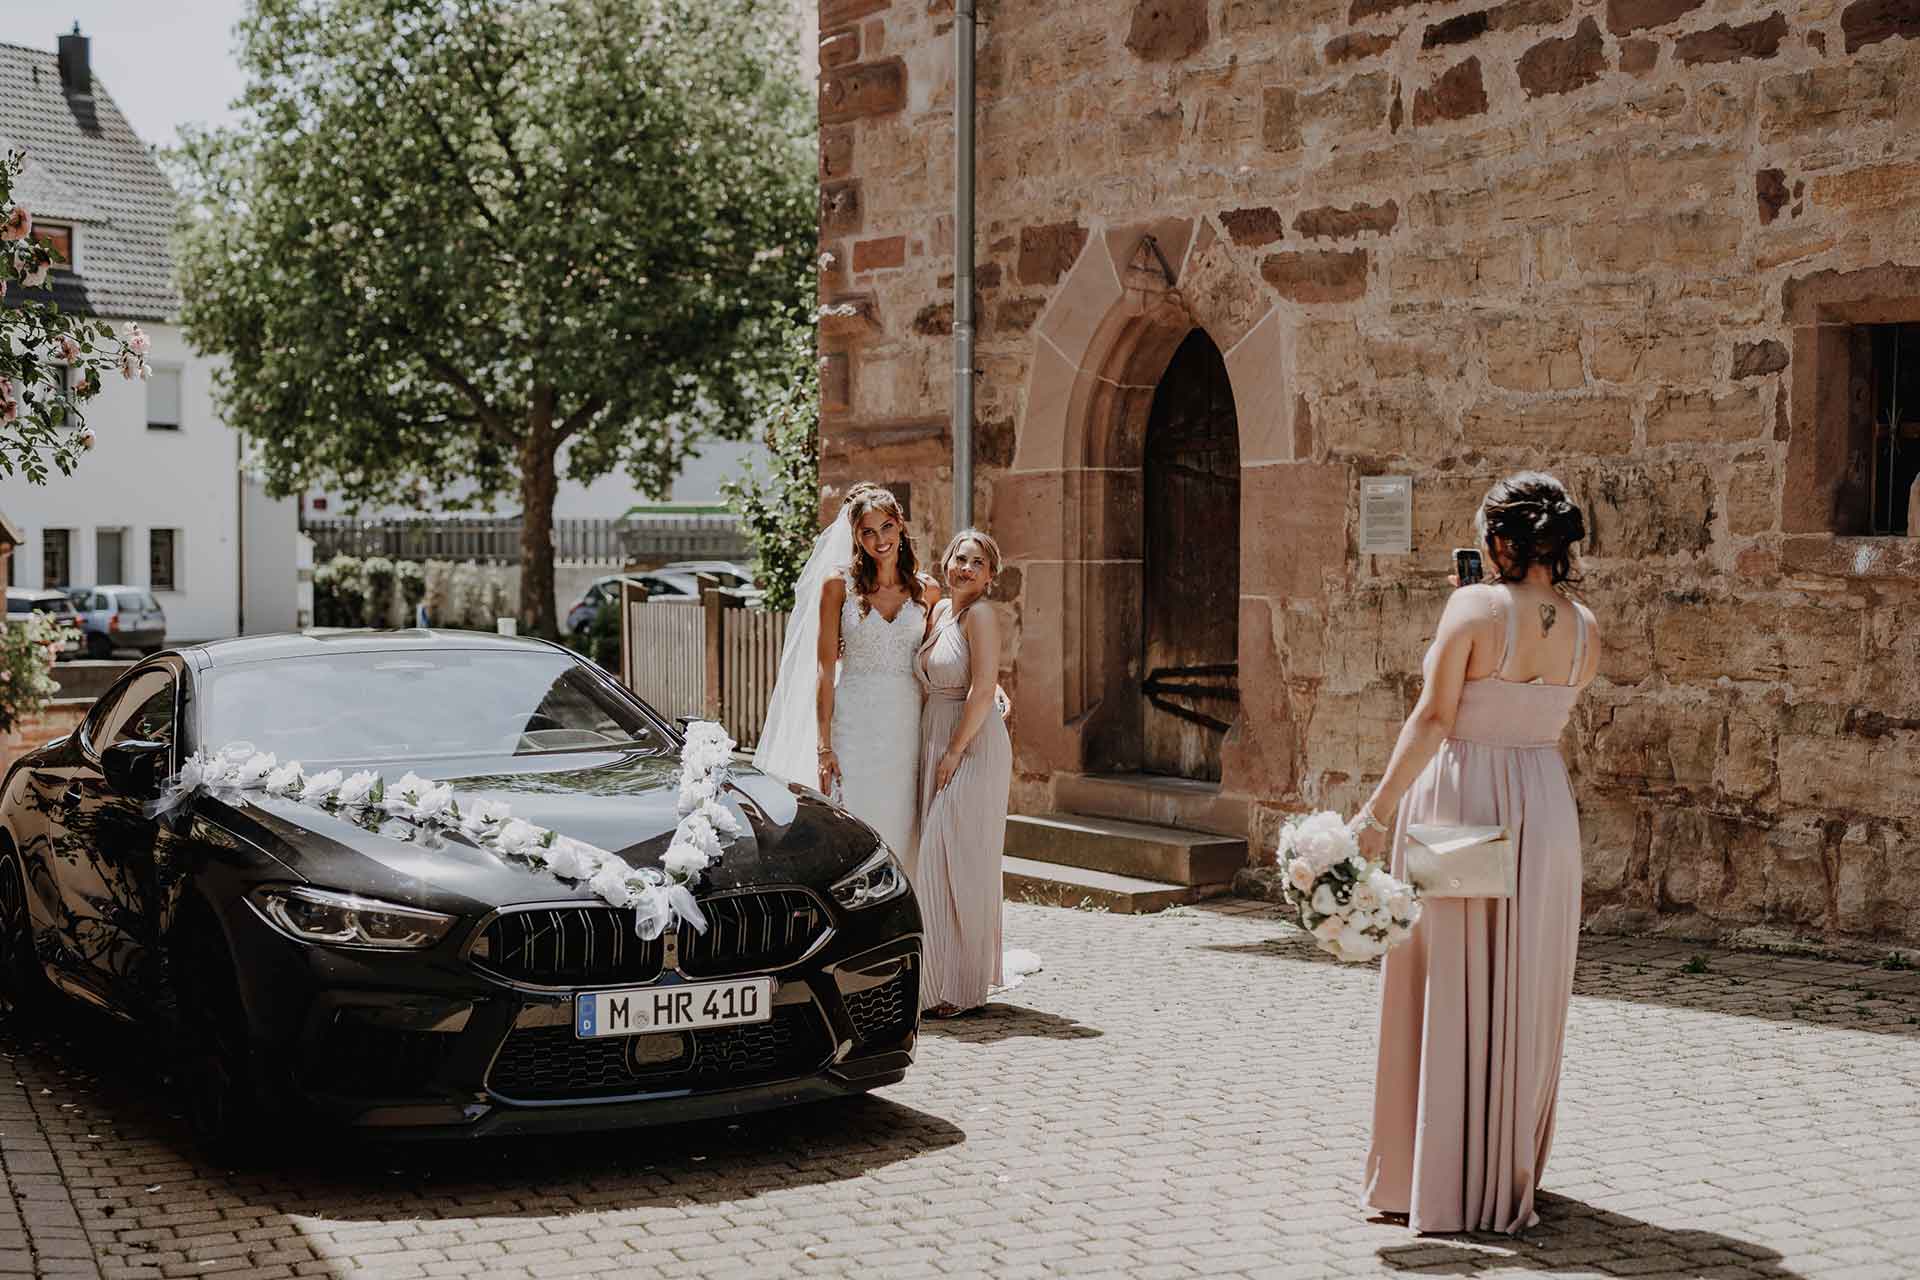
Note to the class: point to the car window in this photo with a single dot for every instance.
(141, 712)
(16, 606)
(137, 602)
(51, 606)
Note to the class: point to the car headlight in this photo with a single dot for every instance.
(344, 920)
(876, 880)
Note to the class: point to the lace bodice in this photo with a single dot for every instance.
(872, 646)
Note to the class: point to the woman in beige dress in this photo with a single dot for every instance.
(1473, 1007)
(966, 767)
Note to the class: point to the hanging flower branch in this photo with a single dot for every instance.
(416, 809)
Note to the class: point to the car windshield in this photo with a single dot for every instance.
(415, 704)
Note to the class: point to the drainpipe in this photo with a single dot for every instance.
(963, 36)
(240, 532)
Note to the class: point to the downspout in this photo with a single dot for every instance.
(240, 531)
(963, 37)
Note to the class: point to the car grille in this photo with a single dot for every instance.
(551, 1063)
(765, 929)
(886, 1012)
(356, 1058)
(567, 947)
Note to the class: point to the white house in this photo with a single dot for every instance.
(163, 501)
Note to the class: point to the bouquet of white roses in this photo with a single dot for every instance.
(1354, 909)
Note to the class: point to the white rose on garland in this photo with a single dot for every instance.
(415, 807)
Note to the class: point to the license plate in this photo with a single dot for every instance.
(640, 1010)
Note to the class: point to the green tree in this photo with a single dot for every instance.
(781, 511)
(455, 237)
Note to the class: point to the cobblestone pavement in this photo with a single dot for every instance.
(1176, 1095)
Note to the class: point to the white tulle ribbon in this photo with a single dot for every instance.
(416, 809)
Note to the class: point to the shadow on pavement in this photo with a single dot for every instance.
(105, 1100)
(1575, 1238)
(1835, 995)
(995, 1021)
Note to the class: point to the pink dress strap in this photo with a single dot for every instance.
(1579, 643)
(1506, 645)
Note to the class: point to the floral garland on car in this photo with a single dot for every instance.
(415, 809)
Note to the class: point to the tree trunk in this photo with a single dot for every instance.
(537, 488)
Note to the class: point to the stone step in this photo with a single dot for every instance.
(1057, 885)
(1135, 849)
(1148, 797)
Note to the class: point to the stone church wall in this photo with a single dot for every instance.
(1630, 241)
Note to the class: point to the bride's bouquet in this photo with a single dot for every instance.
(1354, 909)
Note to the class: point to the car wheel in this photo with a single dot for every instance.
(214, 1058)
(98, 646)
(22, 983)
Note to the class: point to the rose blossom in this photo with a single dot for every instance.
(69, 349)
(9, 403)
(357, 791)
(19, 224)
(137, 340)
(1300, 875)
(35, 276)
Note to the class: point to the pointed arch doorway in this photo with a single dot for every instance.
(1190, 615)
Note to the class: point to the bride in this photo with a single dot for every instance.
(845, 714)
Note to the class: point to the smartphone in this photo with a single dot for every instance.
(1466, 566)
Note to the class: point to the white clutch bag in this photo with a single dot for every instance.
(1461, 862)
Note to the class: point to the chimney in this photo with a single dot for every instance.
(76, 70)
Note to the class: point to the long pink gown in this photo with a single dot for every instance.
(963, 829)
(1473, 1007)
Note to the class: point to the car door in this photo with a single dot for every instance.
(105, 849)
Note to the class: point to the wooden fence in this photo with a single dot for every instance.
(638, 539)
(717, 660)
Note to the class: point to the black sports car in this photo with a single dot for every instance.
(433, 987)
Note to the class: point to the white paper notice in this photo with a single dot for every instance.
(1386, 515)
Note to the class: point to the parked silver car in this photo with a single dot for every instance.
(25, 600)
(670, 583)
(119, 617)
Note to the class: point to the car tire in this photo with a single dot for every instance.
(98, 646)
(23, 984)
(213, 1060)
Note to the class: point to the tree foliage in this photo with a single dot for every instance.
(51, 361)
(781, 511)
(454, 237)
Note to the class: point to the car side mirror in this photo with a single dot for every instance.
(133, 768)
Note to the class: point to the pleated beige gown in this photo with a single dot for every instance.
(1473, 1007)
(963, 830)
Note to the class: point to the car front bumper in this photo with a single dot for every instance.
(431, 1046)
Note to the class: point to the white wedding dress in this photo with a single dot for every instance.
(876, 721)
(876, 703)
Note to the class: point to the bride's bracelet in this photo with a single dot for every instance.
(1366, 819)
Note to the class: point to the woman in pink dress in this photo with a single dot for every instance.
(1473, 1007)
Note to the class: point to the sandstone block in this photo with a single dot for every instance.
(841, 212)
(1350, 733)
(1280, 119)
(1751, 504)
(1829, 98)
(880, 255)
(1869, 858)
(862, 90)
(1757, 359)
(1876, 776)
(1815, 650)
(1646, 510)
(1356, 45)
(1528, 355)
(1354, 106)
(1589, 424)
(1770, 192)
(835, 13)
(1782, 876)
(836, 382)
(1686, 859)
(1745, 771)
(1659, 352)
(1660, 743)
(1458, 30)
(1873, 189)
(1293, 528)
(1458, 93)
(1866, 22)
(1317, 276)
(1702, 241)
(1680, 417)
(1637, 57)
(1383, 633)
(1016, 315)
(1627, 16)
(1382, 423)
(1047, 251)
(1563, 65)
(1253, 227)
(1167, 30)
(1728, 43)
(1330, 223)
(839, 48)
(1613, 830)
(836, 153)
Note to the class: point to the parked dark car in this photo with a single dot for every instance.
(116, 617)
(25, 600)
(430, 989)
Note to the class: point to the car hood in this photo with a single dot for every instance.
(623, 802)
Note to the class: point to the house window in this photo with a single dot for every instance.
(1891, 380)
(56, 559)
(59, 238)
(163, 400)
(109, 555)
(162, 549)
